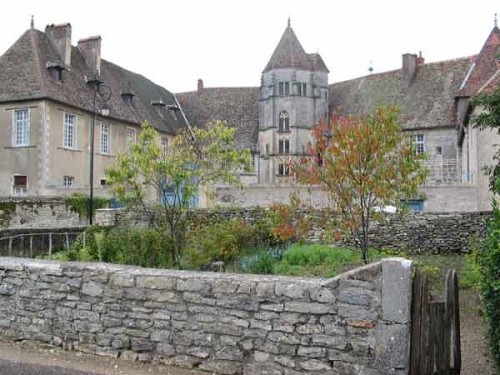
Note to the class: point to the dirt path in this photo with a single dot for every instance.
(475, 352)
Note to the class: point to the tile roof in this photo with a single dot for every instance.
(24, 76)
(239, 106)
(486, 64)
(290, 54)
(428, 102)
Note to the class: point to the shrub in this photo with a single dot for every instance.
(80, 204)
(489, 262)
(133, 246)
(222, 241)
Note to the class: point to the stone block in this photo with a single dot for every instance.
(92, 289)
(396, 290)
(392, 346)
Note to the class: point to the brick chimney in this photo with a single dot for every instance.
(420, 59)
(90, 48)
(60, 35)
(200, 86)
(409, 68)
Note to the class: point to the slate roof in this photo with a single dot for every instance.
(428, 102)
(239, 106)
(24, 76)
(485, 66)
(290, 54)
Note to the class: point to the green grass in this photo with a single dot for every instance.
(316, 260)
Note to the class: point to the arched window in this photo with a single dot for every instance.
(284, 122)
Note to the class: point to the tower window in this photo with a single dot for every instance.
(284, 122)
(283, 168)
(284, 146)
(302, 89)
(284, 88)
(21, 128)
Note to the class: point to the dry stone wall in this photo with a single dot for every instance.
(435, 233)
(26, 213)
(357, 323)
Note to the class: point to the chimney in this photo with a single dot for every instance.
(90, 48)
(409, 68)
(420, 59)
(60, 35)
(200, 86)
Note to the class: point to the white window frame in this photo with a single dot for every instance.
(131, 137)
(69, 130)
(105, 139)
(419, 140)
(164, 146)
(24, 190)
(21, 128)
(68, 181)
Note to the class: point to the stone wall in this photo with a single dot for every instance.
(357, 323)
(37, 213)
(435, 233)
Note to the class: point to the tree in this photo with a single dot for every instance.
(165, 182)
(363, 164)
(489, 118)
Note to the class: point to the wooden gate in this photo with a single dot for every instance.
(435, 332)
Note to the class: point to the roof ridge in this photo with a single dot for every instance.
(36, 52)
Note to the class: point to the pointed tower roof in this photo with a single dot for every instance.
(290, 54)
(485, 66)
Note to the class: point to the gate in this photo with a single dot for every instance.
(435, 332)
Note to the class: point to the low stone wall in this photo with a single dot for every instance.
(431, 233)
(357, 323)
(37, 213)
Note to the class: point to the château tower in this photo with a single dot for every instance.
(293, 98)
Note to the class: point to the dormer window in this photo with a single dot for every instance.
(127, 96)
(55, 69)
(159, 107)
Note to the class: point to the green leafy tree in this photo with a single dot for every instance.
(489, 118)
(363, 164)
(166, 183)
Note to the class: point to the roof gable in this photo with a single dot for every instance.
(485, 65)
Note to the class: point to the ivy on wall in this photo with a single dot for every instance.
(80, 203)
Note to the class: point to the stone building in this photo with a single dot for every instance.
(49, 90)
(275, 118)
(49, 94)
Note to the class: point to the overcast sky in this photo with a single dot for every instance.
(228, 42)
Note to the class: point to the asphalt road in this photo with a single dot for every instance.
(19, 368)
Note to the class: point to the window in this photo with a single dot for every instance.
(164, 146)
(21, 128)
(419, 143)
(284, 88)
(69, 130)
(283, 168)
(68, 181)
(131, 137)
(439, 150)
(301, 89)
(105, 138)
(284, 122)
(284, 146)
(267, 149)
(103, 182)
(20, 186)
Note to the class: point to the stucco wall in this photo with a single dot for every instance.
(357, 323)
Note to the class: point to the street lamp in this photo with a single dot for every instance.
(102, 94)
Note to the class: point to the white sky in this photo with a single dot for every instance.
(228, 42)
